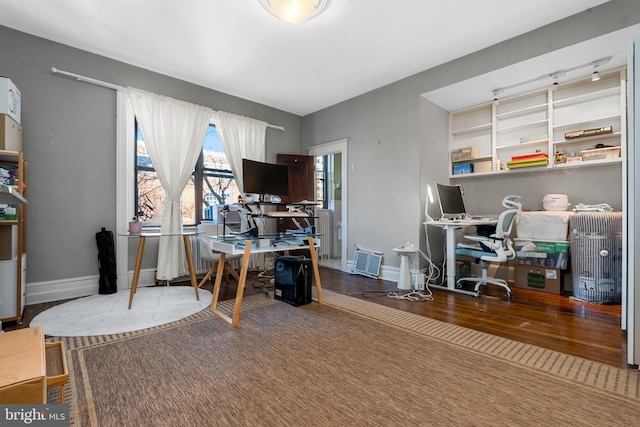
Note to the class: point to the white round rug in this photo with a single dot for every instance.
(108, 314)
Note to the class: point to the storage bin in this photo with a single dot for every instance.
(543, 225)
(10, 134)
(485, 166)
(600, 153)
(541, 253)
(464, 153)
(12, 106)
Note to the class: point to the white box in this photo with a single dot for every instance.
(543, 225)
(12, 107)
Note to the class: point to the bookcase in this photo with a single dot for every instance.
(578, 123)
(13, 240)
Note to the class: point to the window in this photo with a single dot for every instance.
(212, 183)
(321, 181)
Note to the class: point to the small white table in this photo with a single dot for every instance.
(404, 279)
(450, 228)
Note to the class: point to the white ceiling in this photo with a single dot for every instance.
(479, 90)
(237, 47)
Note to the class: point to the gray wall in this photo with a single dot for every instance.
(398, 141)
(70, 145)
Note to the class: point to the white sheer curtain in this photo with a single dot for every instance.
(242, 137)
(173, 132)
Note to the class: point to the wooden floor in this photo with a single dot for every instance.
(591, 331)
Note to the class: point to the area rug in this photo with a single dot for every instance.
(346, 362)
(109, 314)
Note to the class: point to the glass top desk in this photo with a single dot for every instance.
(143, 238)
(234, 245)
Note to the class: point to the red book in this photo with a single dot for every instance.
(532, 156)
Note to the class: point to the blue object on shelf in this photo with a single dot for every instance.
(461, 168)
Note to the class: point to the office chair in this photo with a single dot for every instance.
(208, 254)
(496, 248)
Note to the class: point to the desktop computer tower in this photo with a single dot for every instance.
(292, 280)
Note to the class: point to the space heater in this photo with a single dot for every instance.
(596, 256)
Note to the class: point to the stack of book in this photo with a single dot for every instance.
(528, 160)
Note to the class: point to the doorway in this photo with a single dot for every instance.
(331, 195)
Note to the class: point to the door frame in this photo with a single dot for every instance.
(334, 147)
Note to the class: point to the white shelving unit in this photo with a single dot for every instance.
(537, 121)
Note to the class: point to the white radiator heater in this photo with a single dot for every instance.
(596, 256)
(326, 228)
(200, 265)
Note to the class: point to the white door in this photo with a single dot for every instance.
(330, 148)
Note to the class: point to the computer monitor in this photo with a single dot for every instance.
(265, 178)
(451, 202)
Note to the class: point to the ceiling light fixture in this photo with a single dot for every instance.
(294, 11)
(595, 76)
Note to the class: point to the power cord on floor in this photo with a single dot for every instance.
(420, 295)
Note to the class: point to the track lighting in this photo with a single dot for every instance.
(555, 76)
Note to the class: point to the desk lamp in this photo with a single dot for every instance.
(427, 202)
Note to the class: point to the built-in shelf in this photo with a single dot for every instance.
(544, 116)
(522, 111)
(537, 143)
(479, 128)
(522, 126)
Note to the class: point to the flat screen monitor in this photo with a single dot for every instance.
(451, 203)
(265, 178)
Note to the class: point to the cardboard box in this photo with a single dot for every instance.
(543, 279)
(22, 367)
(464, 153)
(482, 166)
(10, 134)
(12, 106)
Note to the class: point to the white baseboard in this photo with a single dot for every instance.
(56, 290)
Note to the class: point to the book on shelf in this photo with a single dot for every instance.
(532, 156)
(527, 163)
(588, 132)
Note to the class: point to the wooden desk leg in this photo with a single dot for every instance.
(240, 291)
(216, 285)
(314, 265)
(136, 270)
(241, 283)
(192, 270)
